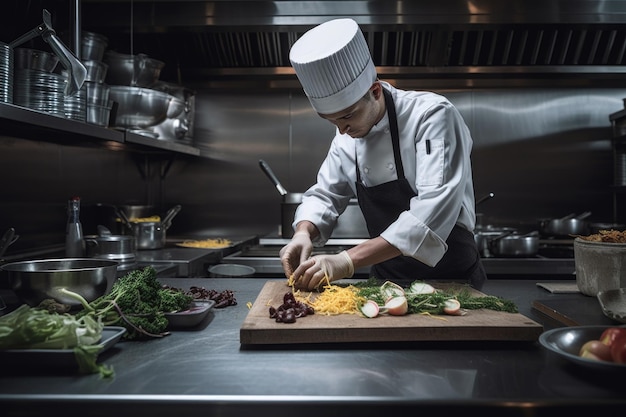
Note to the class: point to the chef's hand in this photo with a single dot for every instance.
(310, 275)
(295, 252)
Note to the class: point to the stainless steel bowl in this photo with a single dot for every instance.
(139, 107)
(35, 281)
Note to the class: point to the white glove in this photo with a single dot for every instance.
(311, 275)
(295, 252)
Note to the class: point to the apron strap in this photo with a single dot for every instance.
(395, 138)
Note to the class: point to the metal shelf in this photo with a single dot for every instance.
(26, 123)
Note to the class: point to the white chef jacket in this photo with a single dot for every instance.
(435, 145)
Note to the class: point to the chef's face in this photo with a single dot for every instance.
(358, 119)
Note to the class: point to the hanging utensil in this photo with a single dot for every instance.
(125, 220)
(76, 71)
(270, 174)
(167, 220)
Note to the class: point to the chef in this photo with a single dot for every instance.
(405, 155)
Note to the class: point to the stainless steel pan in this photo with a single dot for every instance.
(565, 226)
(515, 246)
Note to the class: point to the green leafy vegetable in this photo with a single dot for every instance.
(37, 328)
(137, 302)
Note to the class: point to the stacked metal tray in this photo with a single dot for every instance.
(39, 90)
(6, 73)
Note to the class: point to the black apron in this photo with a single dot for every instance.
(382, 204)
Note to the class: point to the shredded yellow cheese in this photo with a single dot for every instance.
(336, 300)
(206, 243)
(249, 305)
(332, 301)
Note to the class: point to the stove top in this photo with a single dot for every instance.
(554, 258)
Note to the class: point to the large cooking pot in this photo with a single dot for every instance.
(565, 226)
(150, 234)
(35, 281)
(351, 223)
(104, 245)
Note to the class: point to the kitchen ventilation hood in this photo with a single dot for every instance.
(208, 41)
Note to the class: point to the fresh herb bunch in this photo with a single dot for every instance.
(137, 302)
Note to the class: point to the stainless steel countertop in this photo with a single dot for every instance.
(206, 371)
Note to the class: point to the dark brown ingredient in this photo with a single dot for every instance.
(290, 310)
(222, 298)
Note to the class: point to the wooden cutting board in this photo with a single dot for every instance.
(259, 328)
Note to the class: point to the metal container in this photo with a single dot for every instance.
(93, 46)
(515, 246)
(132, 70)
(565, 226)
(120, 248)
(485, 234)
(98, 115)
(96, 71)
(149, 235)
(600, 266)
(231, 271)
(35, 281)
(350, 224)
(139, 107)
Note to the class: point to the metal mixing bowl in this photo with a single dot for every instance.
(139, 107)
(35, 281)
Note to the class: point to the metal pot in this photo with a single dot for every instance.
(120, 248)
(485, 234)
(596, 227)
(351, 223)
(35, 281)
(515, 246)
(150, 235)
(565, 226)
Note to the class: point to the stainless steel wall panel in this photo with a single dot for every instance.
(543, 152)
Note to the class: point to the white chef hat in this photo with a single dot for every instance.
(334, 65)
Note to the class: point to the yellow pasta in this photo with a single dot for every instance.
(206, 243)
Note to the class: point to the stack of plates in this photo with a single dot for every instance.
(76, 105)
(6, 73)
(41, 91)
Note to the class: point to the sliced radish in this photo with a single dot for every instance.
(421, 288)
(397, 306)
(370, 309)
(453, 307)
(391, 289)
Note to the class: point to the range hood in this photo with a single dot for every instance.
(471, 40)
